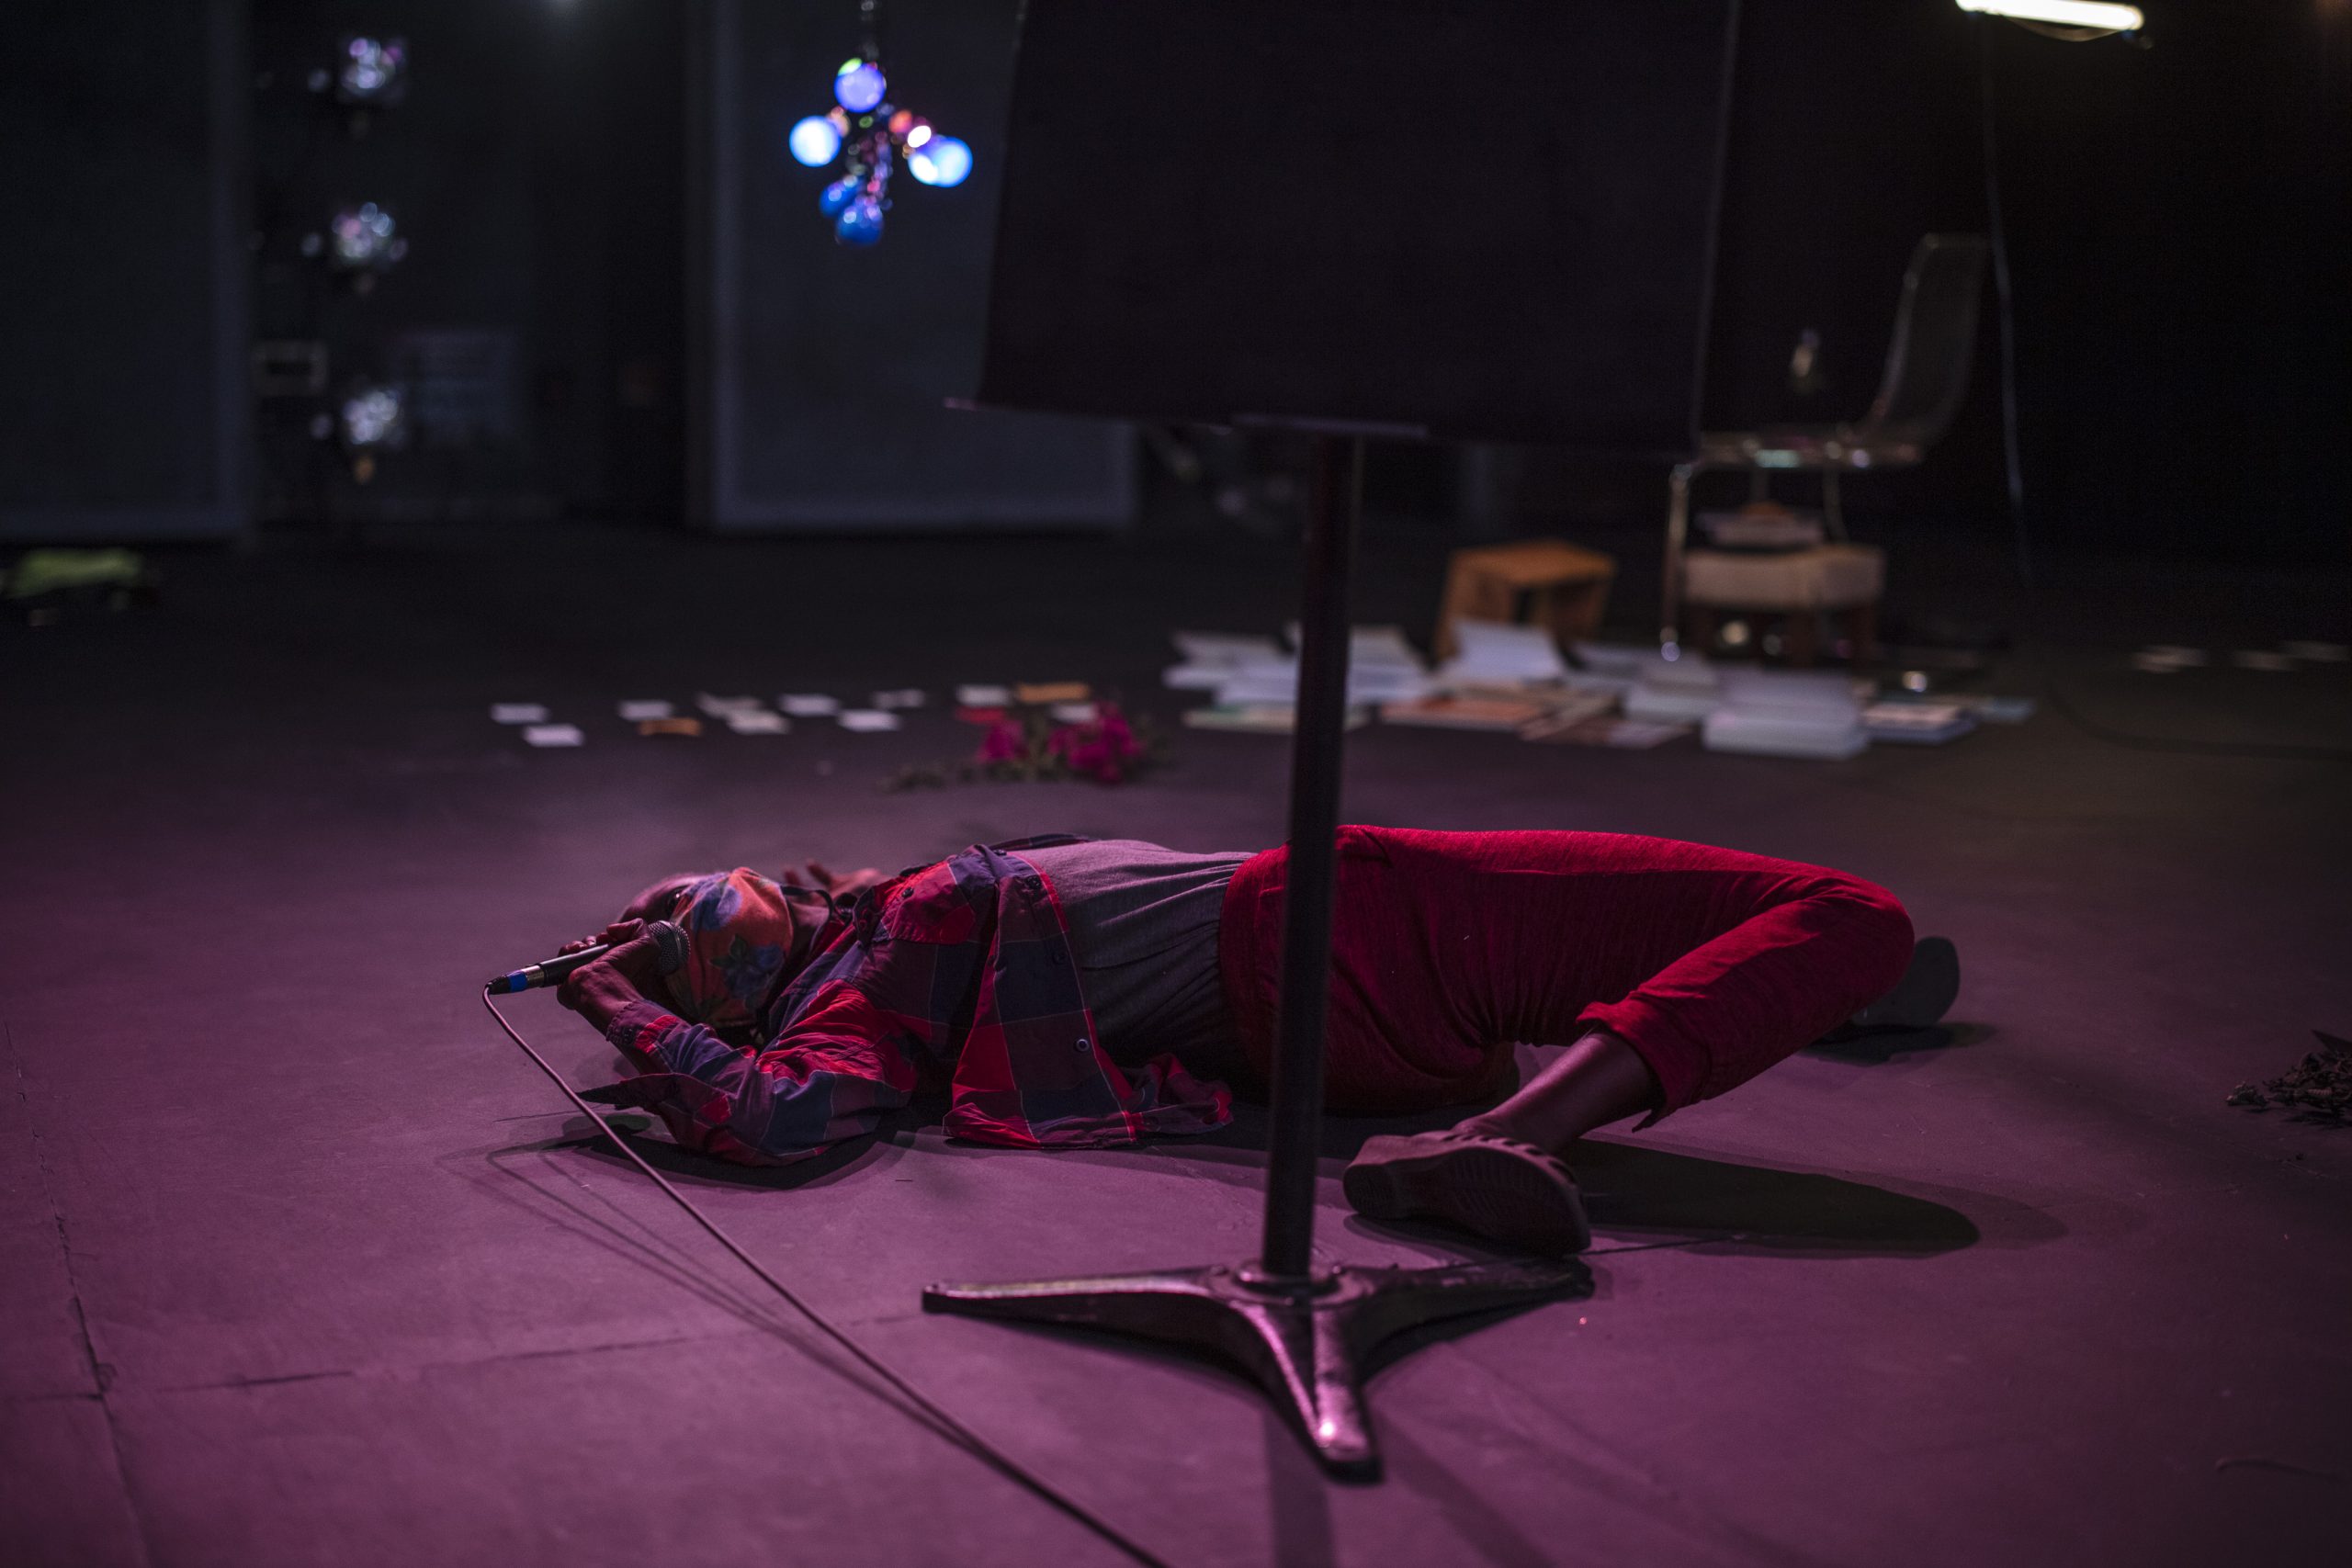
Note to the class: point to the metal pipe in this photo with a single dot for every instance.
(1678, 533)
(1317, 743)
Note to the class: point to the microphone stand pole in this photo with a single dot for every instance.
(1303, 1333)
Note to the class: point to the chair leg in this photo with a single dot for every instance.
(1452, 605)
(1798, 638)
(1702, 618)
(1832, 506)
(1678, 531)
(1863, 621)
(1575, 612)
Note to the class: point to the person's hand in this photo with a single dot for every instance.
(612, 935)
(631, 973)
(846, 888)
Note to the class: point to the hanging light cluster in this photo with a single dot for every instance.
(362, 239)
(870, 134)
(372, 71)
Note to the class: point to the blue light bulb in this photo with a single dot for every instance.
(836, 197)
(859, 85)
(940, 161)
(860, 223)
(814, 142)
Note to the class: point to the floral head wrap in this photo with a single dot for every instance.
(739, 931)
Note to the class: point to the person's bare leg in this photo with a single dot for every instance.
(1598, 1080)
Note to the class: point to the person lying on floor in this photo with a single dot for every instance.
(1070, 993)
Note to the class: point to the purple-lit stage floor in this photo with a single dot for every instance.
(304, 1264)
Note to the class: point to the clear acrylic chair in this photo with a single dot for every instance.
(1927, 362)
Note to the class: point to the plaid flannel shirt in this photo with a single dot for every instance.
(960, 971)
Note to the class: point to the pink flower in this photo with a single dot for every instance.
(1104, 750)
(1119, 734)
(1003, 743)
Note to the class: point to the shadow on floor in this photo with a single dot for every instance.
(1880, 1045)
(1633, 1189)
(1633, 1194)
(876, 1151)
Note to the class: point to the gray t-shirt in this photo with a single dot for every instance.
(1143, 928)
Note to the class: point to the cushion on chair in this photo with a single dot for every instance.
(1832, 577)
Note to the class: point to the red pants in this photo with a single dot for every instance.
(1447, 948)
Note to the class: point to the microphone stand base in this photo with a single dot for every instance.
(1305, 1340)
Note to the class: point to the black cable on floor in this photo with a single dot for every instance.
(939, 1421)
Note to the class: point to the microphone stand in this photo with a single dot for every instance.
(1305, 1334)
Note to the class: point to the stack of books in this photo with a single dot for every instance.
(1786, 712)
(1918, 724)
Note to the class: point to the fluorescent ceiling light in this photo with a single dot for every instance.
(2063, 13)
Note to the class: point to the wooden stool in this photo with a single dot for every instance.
(1800, 586)
(1562, 588)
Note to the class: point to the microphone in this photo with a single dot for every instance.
(668, 940)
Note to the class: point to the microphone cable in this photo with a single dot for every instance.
(938, 1419)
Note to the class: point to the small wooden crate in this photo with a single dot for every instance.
(1547, 583)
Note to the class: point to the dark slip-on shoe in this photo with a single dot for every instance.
(1499, 1188)
(1923, 996)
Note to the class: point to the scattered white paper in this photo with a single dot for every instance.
(1581, 682)
(1826, 695)
(1074, 712)
(518, 712)
(983, 696)
(552, 735)
(867, 721)
(808, 704)
(1211, 659)
(1667, 690)
(1499, 652)
(1261, 719)
(636, 711)
(2156, 655)
(720, 707)
(759, 721)
(1981, 705)
(1367, 686)
(1384, 646)
(2258, 659)
(1621, 658)
(906, 697)
(1926, 724)
(1785, 732)
(1258, 684)
(1374, 647)
(2317, 652)
(1225, 648)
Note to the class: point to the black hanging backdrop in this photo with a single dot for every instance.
(1478, 218)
